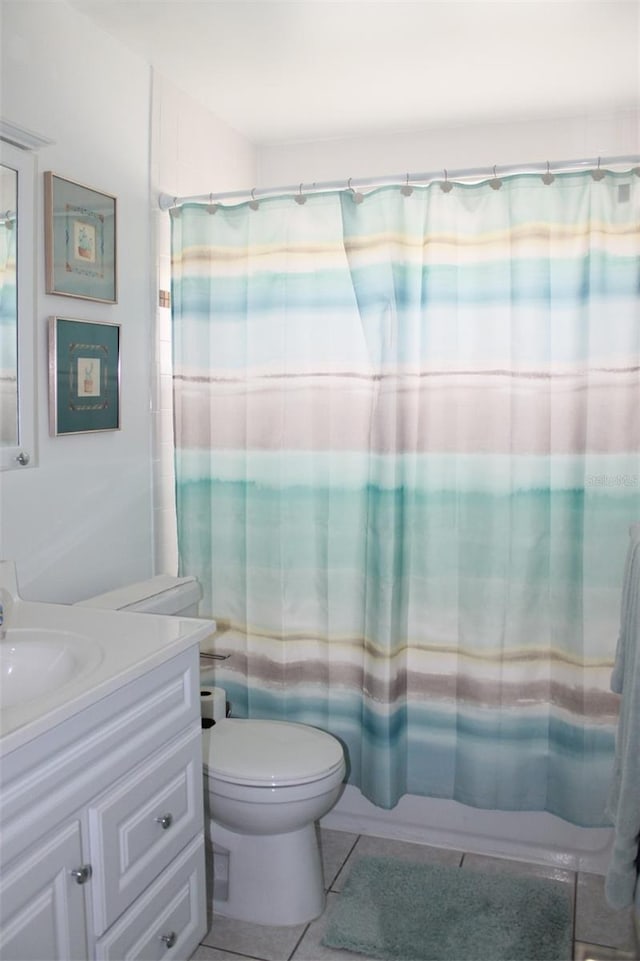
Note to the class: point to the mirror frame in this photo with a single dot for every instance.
(24, 162)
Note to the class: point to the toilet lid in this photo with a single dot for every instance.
(269, 753)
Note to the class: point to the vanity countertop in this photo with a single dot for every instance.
(122, 646)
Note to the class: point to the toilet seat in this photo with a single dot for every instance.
(269, 753)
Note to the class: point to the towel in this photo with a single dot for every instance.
(623, 807)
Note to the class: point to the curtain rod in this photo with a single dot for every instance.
(167, 201)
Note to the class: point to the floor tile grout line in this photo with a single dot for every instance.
(575, 911)
(236, 954)
(327, 890)
(342, 864)
(297, 944)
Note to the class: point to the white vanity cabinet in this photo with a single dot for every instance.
(101, 828)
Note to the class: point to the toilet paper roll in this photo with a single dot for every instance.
(213, 703)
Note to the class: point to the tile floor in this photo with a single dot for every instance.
(600, 934)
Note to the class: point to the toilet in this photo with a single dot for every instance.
(266, 783)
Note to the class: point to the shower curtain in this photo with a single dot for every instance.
(407, 436)
(8, 336)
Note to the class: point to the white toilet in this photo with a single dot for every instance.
(266, 784)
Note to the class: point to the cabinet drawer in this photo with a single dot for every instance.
(142, 823)
(173, 907)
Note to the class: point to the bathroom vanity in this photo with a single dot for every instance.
(101, 814)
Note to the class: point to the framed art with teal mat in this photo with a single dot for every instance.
(84, 376)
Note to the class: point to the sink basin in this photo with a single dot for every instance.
(34, 661)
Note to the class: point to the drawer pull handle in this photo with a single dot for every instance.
(169, 939)
(82, 874)
(166, 821)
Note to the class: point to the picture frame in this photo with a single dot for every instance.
(84, 376)
(80, 240)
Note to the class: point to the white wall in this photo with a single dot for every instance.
(430, 149)
(82, 521)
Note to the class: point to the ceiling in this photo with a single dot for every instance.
(313, 69)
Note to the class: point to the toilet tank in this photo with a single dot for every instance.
(162, 594)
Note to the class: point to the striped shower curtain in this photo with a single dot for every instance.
(407, 458)
(8, 333)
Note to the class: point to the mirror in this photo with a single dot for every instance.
(17, 329)
(8, 308)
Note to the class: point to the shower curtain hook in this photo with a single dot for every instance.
(300, 197)
(548, 178)
(406, 190)
(446, 186)
(212, 207)
(598, 174)
(253, 203)
(496, 183)
(356, 196)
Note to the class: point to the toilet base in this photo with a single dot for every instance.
(266, 879)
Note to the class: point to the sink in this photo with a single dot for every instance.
(35, 661)
(57, 659)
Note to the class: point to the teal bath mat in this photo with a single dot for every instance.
(401, 911)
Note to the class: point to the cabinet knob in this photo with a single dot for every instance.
(82, 874)
(166, 821)
(169, 939)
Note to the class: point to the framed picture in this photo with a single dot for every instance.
(80, 240)
(84, 376)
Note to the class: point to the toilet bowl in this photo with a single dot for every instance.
(266, 783)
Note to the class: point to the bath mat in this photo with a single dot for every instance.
(402, 911)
